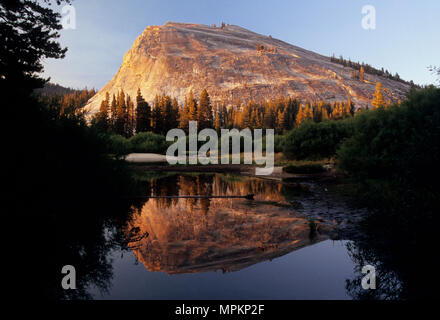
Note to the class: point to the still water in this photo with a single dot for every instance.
(315, 272)
(180, 248)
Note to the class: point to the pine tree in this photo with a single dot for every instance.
(113, 108)
(143, 114)
(246, 117)
(218, 118)
(121, 110)
(292, 109)
(224, 116)
(229, 122)
(352, 109)
(285, 125)
(378, 99)
(102, 121)
(166, 109)
(268, 119)
(299, 116)
(204, 112)
(184, 116)
(175, 115)
(259, 119)
(337, 112)
(308, 113)
(156, 117)
(361, 72)
(317, 112)
(348, 108)
(280, 121)
(29, 32)
(324, 114)
(129, 117)
(254, 119)
(192, 115)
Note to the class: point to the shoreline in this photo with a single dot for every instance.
(243, 169)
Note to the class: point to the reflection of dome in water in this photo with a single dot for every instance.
(187, 236)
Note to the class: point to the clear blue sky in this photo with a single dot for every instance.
(406, 39)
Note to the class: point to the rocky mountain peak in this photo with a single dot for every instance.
(235, 64)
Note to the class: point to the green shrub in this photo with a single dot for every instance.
(398, 142)
(118, 145)
(394, 154)
(315, 141)
(279, 143)
(148, 142)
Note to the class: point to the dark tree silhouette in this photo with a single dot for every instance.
(28, 30)
(143, 114)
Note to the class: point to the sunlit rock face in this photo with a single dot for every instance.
(178, 57)
(197, 235)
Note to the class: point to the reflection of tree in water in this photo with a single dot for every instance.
(85, 241)
(196, 235)
(239, 185)
(81, 227)
(405, 266)
(89, 230)
(212, 184)
(388, 286)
